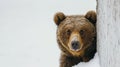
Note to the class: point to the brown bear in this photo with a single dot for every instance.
(76, 37)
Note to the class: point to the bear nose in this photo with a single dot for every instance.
(75, 45)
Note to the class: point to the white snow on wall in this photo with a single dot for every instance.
(28, 33)
(92, 63)
(108, 30)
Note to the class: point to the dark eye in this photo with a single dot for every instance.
(82, 32)
(68, 32)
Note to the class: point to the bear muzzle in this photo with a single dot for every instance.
(75, 45)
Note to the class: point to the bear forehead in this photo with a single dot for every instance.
(75, 21)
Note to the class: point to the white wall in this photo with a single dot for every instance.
(108, 29)
(28, 33)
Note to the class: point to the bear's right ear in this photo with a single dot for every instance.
(58, 17)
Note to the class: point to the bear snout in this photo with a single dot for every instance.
(75, 45)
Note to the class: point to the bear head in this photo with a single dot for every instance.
(76, 33)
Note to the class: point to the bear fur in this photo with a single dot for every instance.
(76, 37)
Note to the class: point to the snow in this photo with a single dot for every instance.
(92, 63)
(108, 32)
(28, 33)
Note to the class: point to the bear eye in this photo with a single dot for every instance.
(68, 32)
(82, 32)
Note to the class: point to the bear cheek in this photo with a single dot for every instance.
(64, 38)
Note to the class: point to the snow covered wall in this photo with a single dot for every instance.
(108, 30)
(92, 63)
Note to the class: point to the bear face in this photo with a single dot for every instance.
(75, 33)
(76, 37)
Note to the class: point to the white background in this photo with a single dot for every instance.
(28, 33)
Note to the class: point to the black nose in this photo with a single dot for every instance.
(75, 45)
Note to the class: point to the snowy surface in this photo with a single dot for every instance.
(109, 32)
(92, 63)
(28, 33)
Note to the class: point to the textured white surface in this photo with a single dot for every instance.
(108, 29)
(92, 63)
(28, 33)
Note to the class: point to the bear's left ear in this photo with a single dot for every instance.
(91, 16)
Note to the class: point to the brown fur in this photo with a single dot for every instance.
(83, 27)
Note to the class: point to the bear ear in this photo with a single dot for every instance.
(58, 17)
(91, 16)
